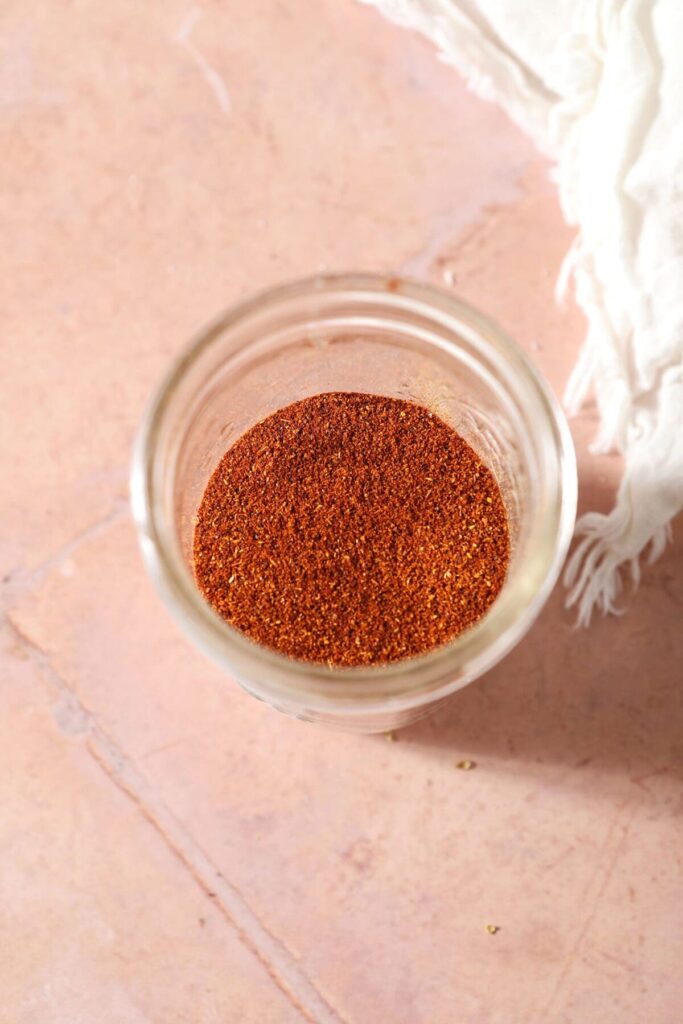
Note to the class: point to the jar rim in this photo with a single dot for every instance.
(400, 685)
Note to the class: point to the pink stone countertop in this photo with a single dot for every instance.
(170, 849)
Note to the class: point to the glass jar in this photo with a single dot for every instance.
(377, 335)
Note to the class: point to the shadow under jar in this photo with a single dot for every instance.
(373, 335)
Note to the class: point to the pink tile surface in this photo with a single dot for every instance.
(338, 879)
(101, 920)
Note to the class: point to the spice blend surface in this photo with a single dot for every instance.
(351, 529)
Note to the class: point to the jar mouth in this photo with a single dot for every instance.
(400, 685)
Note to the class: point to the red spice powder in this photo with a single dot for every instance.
(351, 529)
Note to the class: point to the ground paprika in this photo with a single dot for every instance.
(351, 529)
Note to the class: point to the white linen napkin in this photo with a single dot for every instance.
(598, 84)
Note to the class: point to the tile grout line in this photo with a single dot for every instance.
(598, 886)
(269, 950)
(20, 581)
(279, 963)
(208, 72)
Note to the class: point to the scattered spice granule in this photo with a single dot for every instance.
(492, 928)
(466, 766)
(351, 529)
(390, 736)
